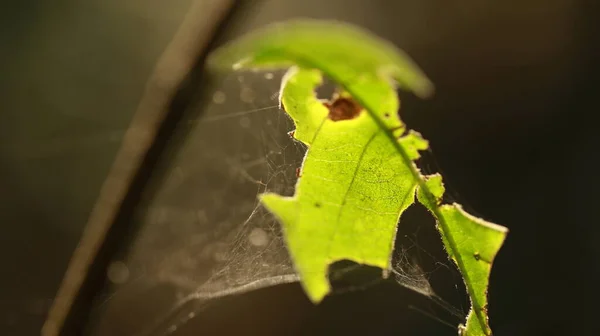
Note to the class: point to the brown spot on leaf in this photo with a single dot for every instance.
(343, 108)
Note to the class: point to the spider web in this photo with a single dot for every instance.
(205, 233)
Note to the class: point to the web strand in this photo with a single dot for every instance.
(227, 244)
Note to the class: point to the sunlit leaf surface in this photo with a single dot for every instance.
(358, 175)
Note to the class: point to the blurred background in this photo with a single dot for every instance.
(510, 128)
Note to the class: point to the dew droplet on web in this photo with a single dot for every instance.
(117, 272)
(269, 75)
(258, 237)
(247, 95)
(245, 122)
(219, 97)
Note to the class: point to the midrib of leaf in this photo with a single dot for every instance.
(476, 306)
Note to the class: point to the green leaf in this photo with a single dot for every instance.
(337, 49)
(471, 243)
(359, 174)
(352, 190)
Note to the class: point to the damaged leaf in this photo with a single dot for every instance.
(359, 174)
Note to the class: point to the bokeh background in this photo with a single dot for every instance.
(511, 127)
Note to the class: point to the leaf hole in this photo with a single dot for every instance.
(343, 108)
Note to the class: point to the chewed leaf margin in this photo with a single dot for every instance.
(366, 67)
